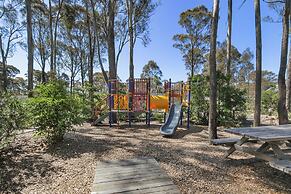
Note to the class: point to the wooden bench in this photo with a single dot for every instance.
(225, 141)
(141, 175)
(282, 165)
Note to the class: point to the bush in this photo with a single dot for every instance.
(54, 111)
(270, 99)
(99, 102)
(199, 99)
(231, 101)
(12, 118)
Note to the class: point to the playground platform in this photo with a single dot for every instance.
(141, 175)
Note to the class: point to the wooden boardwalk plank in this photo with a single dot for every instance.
(128, 177)
(168, 189)
(142, 175)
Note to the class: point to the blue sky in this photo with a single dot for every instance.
(164, 25)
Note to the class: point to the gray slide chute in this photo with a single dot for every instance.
(172, 122)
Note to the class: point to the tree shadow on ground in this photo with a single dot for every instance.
(270, 177)
(182, 132)
(75, 144)
(14, 168)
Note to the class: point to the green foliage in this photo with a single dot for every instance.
(270, 99)
(231, 102)
(12, 118)
(54, 111)
(199, 102)
(153, 71)
(194, 44)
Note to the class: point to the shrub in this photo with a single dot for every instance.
(270, 99)
(54, 111)
(231, 101)
(199, 99)
(12, 118)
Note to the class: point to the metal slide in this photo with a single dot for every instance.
(172, 122)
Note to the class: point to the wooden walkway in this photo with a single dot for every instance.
(141, 175)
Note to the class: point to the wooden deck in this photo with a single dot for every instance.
(141, 175)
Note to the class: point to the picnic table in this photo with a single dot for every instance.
(273, 144)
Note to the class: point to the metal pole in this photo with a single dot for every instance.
(110, 103)
(149, 101)
(188, 111)
(181, 99)
(169, 90)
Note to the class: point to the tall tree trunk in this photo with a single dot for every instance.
(111, 40)
(4, 68)
(52, 70)
(131, 38)
(192, 60)
(29, 44)
(96, 30)
(229, 33)
(90, 61)
(111, 45)
(82, 69)
(43, 80)
(289, 82)
(131, 45)
(212, 70)
(54, 36)
(282, 110)
(258, 86)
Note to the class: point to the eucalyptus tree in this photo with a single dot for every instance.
(100, 37)
(282, 7)
(282, 110)
(30, 46)
(54, 8)
(195, 43)
(229, 36)
(41, 36)
(10, 35)
(212, 72)
(258, 82)
(153, 71)
(138, 14)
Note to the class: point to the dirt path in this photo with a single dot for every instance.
(187, 158)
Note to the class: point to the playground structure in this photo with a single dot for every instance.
(137, 96)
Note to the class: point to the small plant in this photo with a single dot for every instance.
(12, 118)
(54, 111)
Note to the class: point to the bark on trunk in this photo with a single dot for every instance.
(90, 61)
(131, 45)
(257, 115)
(29, 44)
(282, 110)
(111, 40)
(111, 45)
(52, 70)
(229, 33)
(4, 71)
(289, 83)
(212, 70)
(96, 30)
